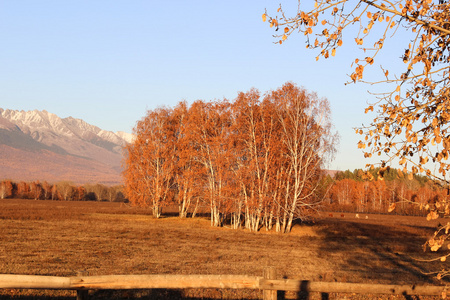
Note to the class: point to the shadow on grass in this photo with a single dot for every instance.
(380, 253)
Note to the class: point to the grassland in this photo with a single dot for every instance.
(63, 238)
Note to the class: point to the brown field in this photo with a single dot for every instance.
(63, 238)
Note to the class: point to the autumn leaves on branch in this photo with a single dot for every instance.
(253, 162)
(411, 123)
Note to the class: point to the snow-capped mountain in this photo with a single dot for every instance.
(43, 121)
(46, 133)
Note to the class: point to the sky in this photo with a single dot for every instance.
(108, 62)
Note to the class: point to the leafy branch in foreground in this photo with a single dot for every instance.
(411, 124)
(412, 116)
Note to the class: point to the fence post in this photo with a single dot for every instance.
(82, 294)
(270, 273)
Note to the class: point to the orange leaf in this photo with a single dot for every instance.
(391, 207)
(433, 215)
(359, 41)
(434, 122)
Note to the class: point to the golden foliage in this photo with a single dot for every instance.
(247, 159)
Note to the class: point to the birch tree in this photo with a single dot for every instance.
(255, 126)
(6, 189)
(65, 189)
(308, 142)
(186, 169)
(149, 172)
(209, 134)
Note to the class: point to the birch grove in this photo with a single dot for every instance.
(254, 162)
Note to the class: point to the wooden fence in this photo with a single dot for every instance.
(268, 283)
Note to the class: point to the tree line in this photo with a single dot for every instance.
(362, 191)
(252, 162)
(63, 190)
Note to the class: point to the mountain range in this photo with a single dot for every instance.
(38, 145)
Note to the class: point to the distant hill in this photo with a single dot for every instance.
(38, 145)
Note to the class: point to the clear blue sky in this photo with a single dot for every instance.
(107, 62)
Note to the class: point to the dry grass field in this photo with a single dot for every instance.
(63, 238)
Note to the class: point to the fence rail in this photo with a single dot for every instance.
(268, 283)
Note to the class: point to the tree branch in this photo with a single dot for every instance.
(410, 18)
